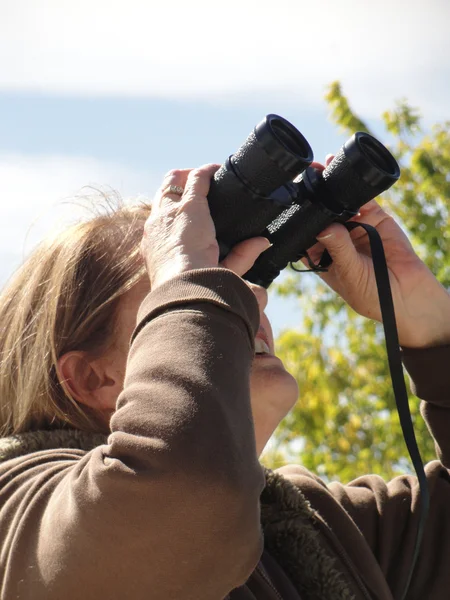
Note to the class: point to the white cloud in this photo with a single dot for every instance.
(36, 195)
(380, 50)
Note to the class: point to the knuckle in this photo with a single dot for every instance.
(203, 172)
(188, 200)
(197, 173)
(173, 174)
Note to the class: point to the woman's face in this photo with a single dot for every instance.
(273, 390)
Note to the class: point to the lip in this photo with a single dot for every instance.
(266, 357)
(262, 335)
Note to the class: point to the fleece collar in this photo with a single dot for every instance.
(286, 517)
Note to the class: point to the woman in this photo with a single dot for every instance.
(132, 471)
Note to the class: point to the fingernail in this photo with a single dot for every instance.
(324, 237)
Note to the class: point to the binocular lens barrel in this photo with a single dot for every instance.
(284, 145)
(361, 170)
(372, 161)
(239, 197)
(372, 152)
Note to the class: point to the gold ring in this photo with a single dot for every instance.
(174, 189)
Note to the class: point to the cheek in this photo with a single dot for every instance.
(118, 366)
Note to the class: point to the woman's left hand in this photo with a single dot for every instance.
(422, 304)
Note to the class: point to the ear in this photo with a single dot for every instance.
(93, 382)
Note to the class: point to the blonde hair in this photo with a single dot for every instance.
(64, 298)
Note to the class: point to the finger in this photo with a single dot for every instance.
(314, 253)
(371, 210)
(176, 178)
(369, 207)
(336, 239)
(370, 213)
(199, 181)
(317, 165)
(243, 255)
(328, 159)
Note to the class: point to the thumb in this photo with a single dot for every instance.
(336, 239)
(242, 257)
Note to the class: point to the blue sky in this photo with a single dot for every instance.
(115, 94)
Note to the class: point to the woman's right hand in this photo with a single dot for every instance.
(179, 234)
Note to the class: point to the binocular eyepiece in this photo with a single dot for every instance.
(268, 188)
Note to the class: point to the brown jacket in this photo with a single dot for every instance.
(170, 506)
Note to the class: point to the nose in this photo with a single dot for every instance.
(261, 295)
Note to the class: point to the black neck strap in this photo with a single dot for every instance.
(396, 372)
(398, 379)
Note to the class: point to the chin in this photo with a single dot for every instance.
(272, 384)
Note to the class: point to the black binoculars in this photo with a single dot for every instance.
(267, 188)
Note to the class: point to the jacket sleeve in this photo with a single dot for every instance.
(429, 370)
(169, 507)
(386, 515)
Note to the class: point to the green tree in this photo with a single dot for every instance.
(345, 423)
